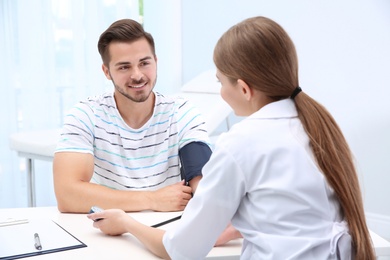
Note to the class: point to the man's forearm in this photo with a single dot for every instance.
(79, 197)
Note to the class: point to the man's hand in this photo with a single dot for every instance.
(174, 197)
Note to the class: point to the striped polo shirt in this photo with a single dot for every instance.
(132, 159)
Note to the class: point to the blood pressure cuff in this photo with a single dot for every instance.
(193, 157)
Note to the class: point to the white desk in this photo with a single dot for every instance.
(100, 246)
(34, 145)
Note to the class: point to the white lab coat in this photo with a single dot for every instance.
(263, 178)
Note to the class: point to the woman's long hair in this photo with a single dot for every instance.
(261, 53)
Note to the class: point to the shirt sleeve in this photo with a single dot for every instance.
(214, 204)
(191, 124)
(78, 130)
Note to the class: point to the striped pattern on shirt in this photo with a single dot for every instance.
(132, 159)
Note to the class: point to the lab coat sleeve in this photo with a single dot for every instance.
(211, 209)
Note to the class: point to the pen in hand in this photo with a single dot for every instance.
(38, 245)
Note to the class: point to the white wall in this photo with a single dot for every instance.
(163, 20)
(344, 58)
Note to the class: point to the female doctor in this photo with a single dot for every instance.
(284, 176)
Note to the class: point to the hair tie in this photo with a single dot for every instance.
(295, 92)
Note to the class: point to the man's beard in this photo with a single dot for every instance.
(142, 97)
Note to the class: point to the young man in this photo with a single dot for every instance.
(129, 149)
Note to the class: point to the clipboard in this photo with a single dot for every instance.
(17, 241)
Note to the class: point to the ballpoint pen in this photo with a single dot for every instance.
(166, 222)
(38, 245)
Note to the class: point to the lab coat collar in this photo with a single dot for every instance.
(284, 108)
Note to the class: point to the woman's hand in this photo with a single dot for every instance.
(228, 234)
(115, 222)
(112, 222)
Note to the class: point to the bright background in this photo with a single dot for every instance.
(48, 63)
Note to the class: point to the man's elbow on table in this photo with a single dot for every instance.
(71, 203)
(63, 207)
(70, 170)
(66, 201)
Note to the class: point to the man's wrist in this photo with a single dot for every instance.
(150, 201)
